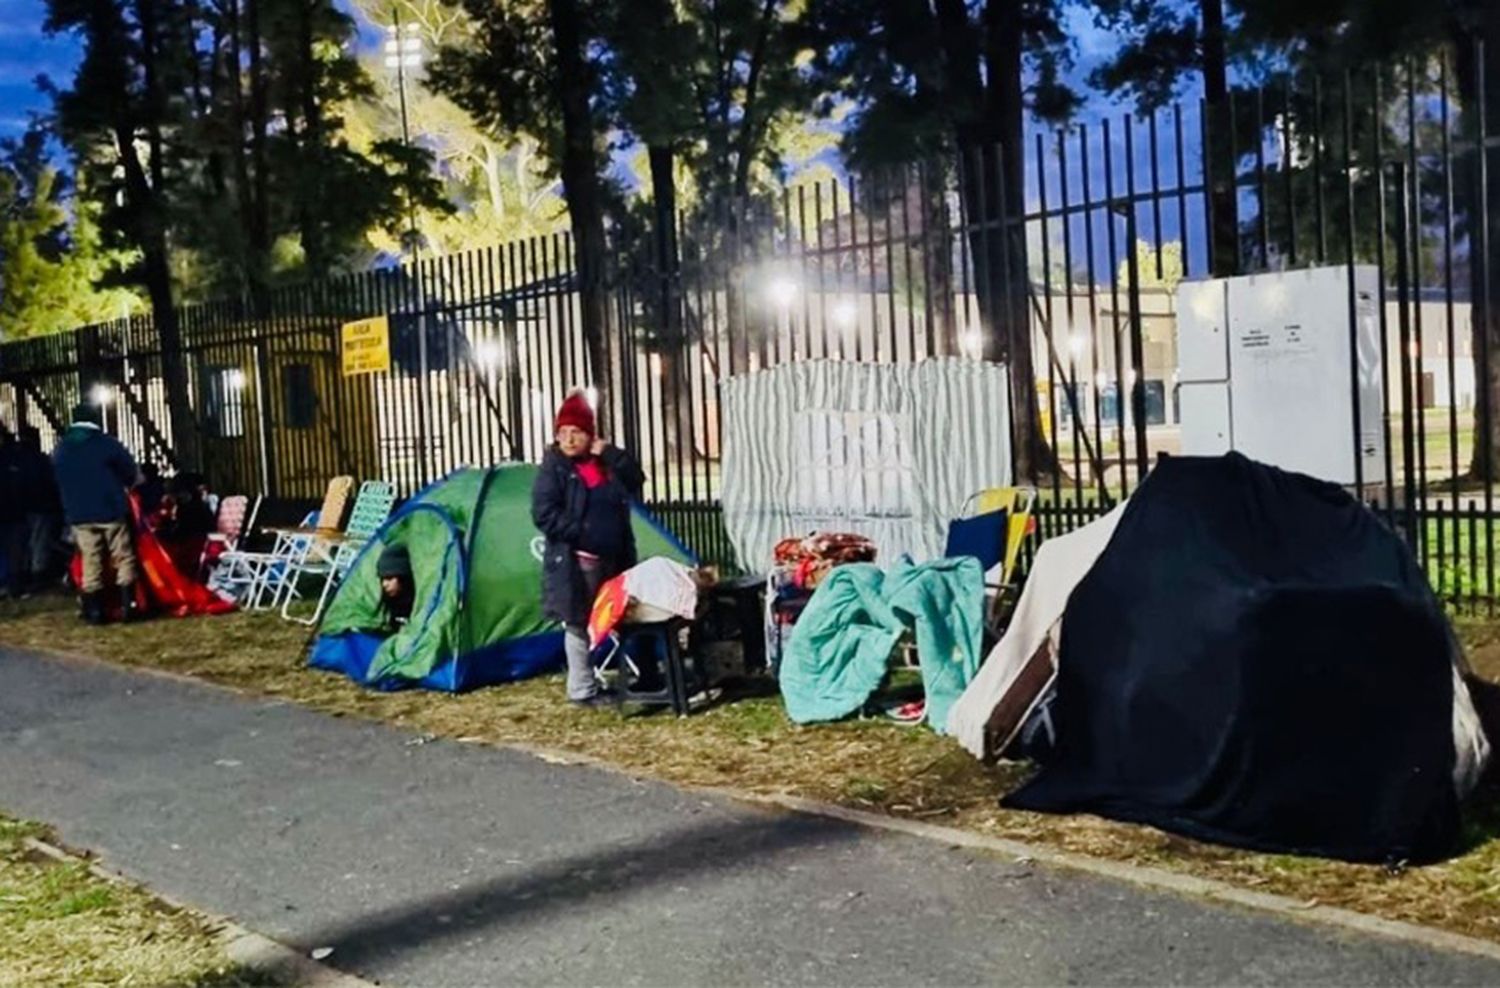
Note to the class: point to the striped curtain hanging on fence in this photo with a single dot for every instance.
(889, 451)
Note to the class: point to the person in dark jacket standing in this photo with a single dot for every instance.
(12, 516)
(41, 503)
(581, 504)
(93, 473)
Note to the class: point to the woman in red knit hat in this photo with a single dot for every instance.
(581, 504)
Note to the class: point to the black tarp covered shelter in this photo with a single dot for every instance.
(1255, 659)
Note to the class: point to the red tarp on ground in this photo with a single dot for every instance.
(162, 586)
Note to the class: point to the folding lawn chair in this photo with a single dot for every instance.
(236, 518)
(267, 570)
(372, 507)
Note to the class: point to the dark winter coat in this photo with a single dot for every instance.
(572, 517)
(12, 498)
(38, 482)
(93, 472)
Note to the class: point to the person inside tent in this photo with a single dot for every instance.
(581, 504)
(398, 591)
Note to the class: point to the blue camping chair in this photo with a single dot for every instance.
(992, 526)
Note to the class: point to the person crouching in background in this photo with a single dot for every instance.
(581, 504)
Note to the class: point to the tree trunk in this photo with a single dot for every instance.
(937, 250)
(994, 169)
(673, 342)
(580, 178)
(145, 186)
(750, 124)
(314, 246)
(151, 237)
(1224, 235)
(1484, 260)
(259, 227)
(254, 285)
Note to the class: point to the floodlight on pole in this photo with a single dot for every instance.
(403, 51)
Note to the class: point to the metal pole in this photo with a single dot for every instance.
(1137, 360)
(411, 214)
(415, 242)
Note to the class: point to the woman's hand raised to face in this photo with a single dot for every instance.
(600, 445)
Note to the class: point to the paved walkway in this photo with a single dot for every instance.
(449, 864)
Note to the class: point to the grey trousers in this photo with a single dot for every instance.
(581, 682)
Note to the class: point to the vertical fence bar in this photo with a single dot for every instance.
(1404, 237)
(908, 282)
(874, 200)
(1132, 261)
(1353, 293)
(1263, 203)
(1155, 162)
(1114, 292)
(1286, 171)
(822, 268)
(1448, 307)
(1418, 344)
(888, 203)
(1072, 382)
(929, 261)
(1485, 304)
(1020, 426)
(1382, 237)
(804, 352)
(1206, 167)
(1182, 194)
(965, 266)
(1320, 206)
(1096, 374)
(1047, 320)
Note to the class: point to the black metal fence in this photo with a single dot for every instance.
(1072, 282)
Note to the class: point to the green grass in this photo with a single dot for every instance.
(62, 925)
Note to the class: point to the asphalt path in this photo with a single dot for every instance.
(439, 863)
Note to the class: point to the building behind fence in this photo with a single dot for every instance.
(1383, 168)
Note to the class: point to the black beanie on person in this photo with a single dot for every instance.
(394, 561)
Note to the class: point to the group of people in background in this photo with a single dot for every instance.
(581, 504)
(85, 484)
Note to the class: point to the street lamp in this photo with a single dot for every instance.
(487, 354)
(782, 291)
(403, 51)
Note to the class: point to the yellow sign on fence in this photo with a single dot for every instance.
(367, 346)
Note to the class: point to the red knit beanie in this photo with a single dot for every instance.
(575, 411)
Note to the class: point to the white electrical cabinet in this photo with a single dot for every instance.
(1264, 367)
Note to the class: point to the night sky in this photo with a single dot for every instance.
(25, 53)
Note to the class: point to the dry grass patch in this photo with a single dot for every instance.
(749, 745)
(62, 925)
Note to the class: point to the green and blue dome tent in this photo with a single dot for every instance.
(476, 565)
